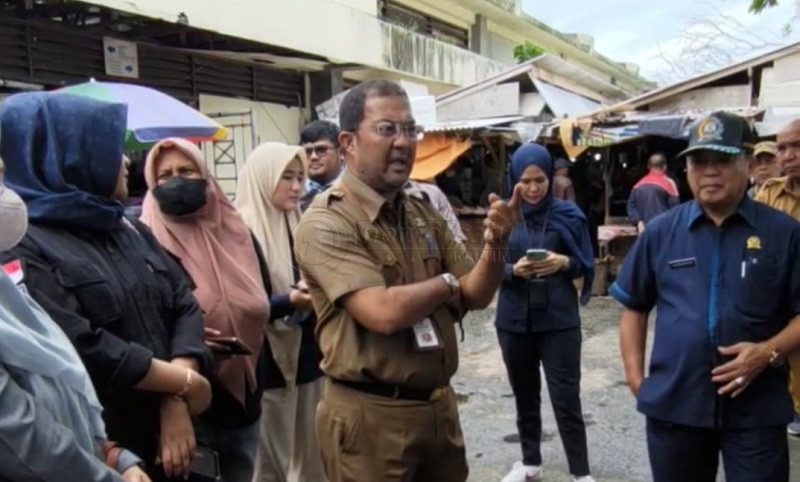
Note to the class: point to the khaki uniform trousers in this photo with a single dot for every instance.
(287, 446)
(368, 438)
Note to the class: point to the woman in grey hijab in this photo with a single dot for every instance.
(51, 427)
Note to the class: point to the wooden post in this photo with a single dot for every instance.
(608, 169)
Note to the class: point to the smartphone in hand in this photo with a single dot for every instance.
(536, 254)
(233, 345)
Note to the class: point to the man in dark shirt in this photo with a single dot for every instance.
(321, 141)
(653, 194)
(724, 275)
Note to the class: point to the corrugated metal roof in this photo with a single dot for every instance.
(700, 80)
(546, 62)
(470, 124)
(564, 103)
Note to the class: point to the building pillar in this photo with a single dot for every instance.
(479, 37)
(324, 85)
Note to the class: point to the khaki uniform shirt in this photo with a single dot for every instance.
(776, 194)
(351, 238)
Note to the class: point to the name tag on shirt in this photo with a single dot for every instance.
(425, 337)
(682, 263)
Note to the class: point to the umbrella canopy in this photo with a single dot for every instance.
(152, 115)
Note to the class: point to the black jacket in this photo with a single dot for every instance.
(122, 301)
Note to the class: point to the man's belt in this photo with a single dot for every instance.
(394, 391)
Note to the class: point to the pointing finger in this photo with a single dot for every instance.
(516, 197)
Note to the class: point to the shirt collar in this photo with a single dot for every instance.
(785, 188)
(369, 199)
(746, 210)
(318, 186)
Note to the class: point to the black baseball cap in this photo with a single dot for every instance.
(721, 132)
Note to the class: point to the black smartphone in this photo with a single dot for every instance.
(205, 465)
(233, 345)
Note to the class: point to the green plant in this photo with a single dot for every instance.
(757, 6)
(528, 50)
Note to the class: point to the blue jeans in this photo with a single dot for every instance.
(236, 449)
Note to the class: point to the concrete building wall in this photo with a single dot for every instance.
(270, 122)
(344, 31)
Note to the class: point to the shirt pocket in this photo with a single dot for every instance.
(162, 288)
(93, 291)
(759, 293)
(387, 261)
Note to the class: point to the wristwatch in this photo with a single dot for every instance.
(452, 283)
(566, 265)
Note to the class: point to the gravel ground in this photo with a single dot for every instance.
(615, 430)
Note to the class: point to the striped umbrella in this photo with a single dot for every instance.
(152, 115)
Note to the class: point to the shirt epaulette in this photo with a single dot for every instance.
(326, 197)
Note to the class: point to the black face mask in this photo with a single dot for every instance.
(180, 196)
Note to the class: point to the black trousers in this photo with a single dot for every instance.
(559, 352)
(679, 453)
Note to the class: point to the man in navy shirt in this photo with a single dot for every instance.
(723, 273)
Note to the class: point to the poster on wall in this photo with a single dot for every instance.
(121, 58)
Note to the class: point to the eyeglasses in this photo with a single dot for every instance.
(388, 129)
(318, 150)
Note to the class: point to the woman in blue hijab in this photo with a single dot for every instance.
(538, 322)
(122, 301)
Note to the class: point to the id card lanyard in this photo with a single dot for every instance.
(541, 234)
(425, 335)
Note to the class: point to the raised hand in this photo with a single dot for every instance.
(501, 217)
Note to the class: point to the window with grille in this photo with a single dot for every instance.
(423, 24)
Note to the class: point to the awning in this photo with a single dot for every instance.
(435, 153)
(579, 134)
(564, 103)
(775, 118)
(470, 124)
(674, 126)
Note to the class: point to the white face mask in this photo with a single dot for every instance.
(13, 218)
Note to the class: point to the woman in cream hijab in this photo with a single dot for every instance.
(267, 196)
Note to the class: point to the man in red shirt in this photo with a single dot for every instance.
(654, 194)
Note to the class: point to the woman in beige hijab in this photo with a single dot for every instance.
(268, 194)
(194, 221)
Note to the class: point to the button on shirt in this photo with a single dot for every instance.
(352, 238)
(713, 286)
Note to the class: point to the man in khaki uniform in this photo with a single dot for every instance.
(389, 281)
(783, 193)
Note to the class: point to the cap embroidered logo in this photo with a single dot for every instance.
(710, 129)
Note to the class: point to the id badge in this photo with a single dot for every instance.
(537, 294)
(425, 336)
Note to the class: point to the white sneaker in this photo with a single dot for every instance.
(585, 478)
(523, 473)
